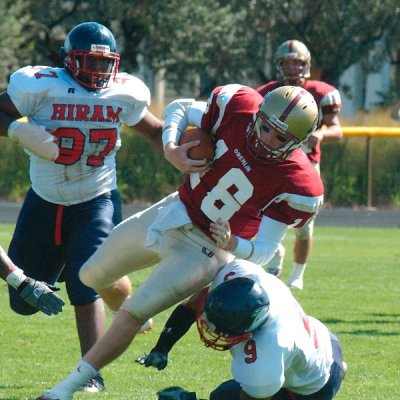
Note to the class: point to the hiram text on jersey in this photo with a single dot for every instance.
(85, 112)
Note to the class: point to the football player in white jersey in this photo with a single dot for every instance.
(260, 183)
(74, 120)
(38, 294)
(278, 352)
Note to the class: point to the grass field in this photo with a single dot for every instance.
(352, 284)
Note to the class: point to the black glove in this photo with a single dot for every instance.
(155, 359)
(41, 296)
(176, 393)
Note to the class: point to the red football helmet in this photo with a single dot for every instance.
(90, 55)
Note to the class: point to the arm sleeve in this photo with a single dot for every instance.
(264, 246)
(179, 115)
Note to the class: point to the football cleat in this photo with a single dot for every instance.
(53, 396)
(275, 264)
(93, 385)
(295, 283)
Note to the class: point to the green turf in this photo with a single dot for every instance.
(352, 284)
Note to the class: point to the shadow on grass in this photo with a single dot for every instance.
(391, 319)
(8, 387)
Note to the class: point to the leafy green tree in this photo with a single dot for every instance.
(14, 43)
(223, 40)
(338, 33)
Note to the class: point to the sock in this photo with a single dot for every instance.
(177, 325)
(297, 271)
(82, 372)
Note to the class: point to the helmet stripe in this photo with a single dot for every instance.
(290, 107)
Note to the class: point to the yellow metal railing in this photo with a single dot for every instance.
(370, 132)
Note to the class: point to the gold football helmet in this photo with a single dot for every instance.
(292, 113)
(293, 62)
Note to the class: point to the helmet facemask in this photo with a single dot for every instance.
(212, 338)
(230, 313)
(90, 55)
(95, 69)
(292, 71)
(262, 151)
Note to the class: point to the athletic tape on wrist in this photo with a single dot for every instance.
(15, 278)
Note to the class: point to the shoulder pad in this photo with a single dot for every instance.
(129, 85)
(33, 79)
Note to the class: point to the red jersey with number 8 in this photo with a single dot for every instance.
(239, 188)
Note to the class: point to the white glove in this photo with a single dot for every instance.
(35, 138)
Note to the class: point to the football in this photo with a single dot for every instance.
(206, 148)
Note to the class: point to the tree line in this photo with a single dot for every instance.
(221, 41)
(224, 40)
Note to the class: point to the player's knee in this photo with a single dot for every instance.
(89, 275)
(117, 293)
(85, 277)
(304, 233)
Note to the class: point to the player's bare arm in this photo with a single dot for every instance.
(6, 265)
(151, 127)
(8, 113)
(331, 130)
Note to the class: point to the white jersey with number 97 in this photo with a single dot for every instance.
(87, 125)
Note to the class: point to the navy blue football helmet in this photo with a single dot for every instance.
(90, 55)
(231, 311)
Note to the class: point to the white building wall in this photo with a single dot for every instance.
(377, 82)
(353, 98)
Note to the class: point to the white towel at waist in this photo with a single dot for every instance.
(171, 214)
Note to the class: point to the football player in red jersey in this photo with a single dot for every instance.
(259, 184)
(293, 63)
(72, 134)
